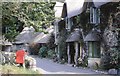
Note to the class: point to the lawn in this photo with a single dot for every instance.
(10, 69)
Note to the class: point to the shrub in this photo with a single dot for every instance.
(110, 60)
(10, 69)
(83, 62)
(43, 51)
(51, 54)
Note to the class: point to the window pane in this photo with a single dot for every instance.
(98, 16)
(91, 15)
(90, 49)
(96, 49)
(94, 15)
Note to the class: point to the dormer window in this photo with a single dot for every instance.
(94, 15)
(69, 24)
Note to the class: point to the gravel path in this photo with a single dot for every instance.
(49, 67)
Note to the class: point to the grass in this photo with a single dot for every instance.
(10, 69)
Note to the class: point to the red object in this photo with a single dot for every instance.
(20, 56)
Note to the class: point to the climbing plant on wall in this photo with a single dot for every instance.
(111, 36)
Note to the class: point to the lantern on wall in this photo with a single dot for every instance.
(93, 45)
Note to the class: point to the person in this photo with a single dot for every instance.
(20, 54)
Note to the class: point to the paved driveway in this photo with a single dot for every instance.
(49, 67)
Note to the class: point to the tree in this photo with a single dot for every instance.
(15, 16)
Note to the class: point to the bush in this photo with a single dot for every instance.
(51, 54)
(83, 62)
(10, 69)
(43, 51)
(110, 60)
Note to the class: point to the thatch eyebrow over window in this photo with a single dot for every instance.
(93, 39)
(94, 35)
(75, 36)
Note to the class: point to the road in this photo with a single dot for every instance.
(47, 66)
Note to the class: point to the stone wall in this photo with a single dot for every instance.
(111, 37)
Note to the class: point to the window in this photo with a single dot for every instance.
(94, 49)
(69, 24)
(90, 48)
(94, 15)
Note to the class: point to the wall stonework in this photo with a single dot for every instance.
(111, 38)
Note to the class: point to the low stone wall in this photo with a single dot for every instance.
(9, 57)
(31, 63)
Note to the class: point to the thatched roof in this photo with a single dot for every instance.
(95, 3)
(74, 7)
(43, 38)
(74, 36)
(64, 11)
(87, 4)
(25, 36)
(37, 38)
(58, 9)
(94, 35)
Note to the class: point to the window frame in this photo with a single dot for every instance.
(94, 15)
(94, 49)
(69, 23)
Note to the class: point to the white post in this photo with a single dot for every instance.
(80, 50)
(76, 53)
(68, 53)
(56, 50)
(58, 53)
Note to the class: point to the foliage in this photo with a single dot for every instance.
(106, 61)
(10, 69)
(51, 54)
(110, 60)
(34, 49)
(43, 51)
(17, 15)
(83, 62)
(111, 55)
(51, 42)
(62, 44)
